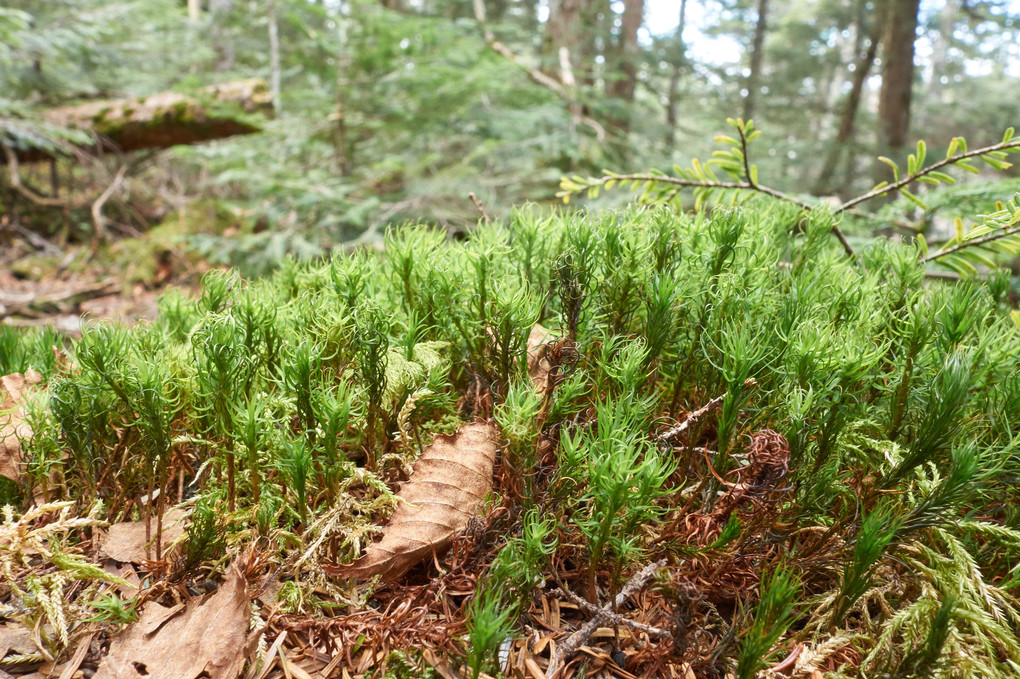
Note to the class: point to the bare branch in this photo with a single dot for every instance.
(581, 636)
(535, 74)
(98, 222)
(674, 432)
(17, 185)
(480, 207)
(609, 616)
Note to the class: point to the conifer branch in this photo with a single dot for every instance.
(935, 167)
(736, 163)
(696, 184)
(972, 243)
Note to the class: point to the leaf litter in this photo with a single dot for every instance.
(437, 510)
(15, 389)
(449, 482)
(203, 638)
(126, 541)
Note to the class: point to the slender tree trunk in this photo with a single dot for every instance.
(341, 152)
(757, 52)
(497, 9)
(673, 98)
(563, 29)
(194, 11)
(848, 119)
(597, 41)
(223, 43)
(897, 74)
(274, 55)
(621, 81)
(940, 48)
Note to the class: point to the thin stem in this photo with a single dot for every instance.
(750, 185)
(743, 153)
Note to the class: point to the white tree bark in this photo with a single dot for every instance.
(274, 55)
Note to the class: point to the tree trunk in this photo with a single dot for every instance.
(757, 49)
(847, 127)
(223, 43)
(342, 153)
(621, 81)
(940, 48)
(897, 75)
(274, 55)
(194, 11)
(563, 29)
(673, 97)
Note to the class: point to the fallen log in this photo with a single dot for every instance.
(163, 120)
(32, 305)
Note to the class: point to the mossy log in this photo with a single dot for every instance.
(165, 119)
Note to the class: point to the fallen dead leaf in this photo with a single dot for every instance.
(448, 483)
(205, 638)
(126, 541)
(442, 667)
(17, 638)
(538, 363)
(14, 390)
(126, 572)
(62, 361)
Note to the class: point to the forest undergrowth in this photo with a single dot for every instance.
(655, 443)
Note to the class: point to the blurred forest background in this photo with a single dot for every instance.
(371, 112)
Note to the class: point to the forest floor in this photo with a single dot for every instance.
(62, 288)
(568, 483)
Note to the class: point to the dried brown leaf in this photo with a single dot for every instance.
(206, 638)
(14, 390)
(17, 638)
(539, 364)
(126, 541)
(447, 485)
(126, 572)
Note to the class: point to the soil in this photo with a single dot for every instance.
(68, 288)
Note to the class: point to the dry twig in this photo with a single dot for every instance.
(609, 616)
(673, 433)
(562, 90)
(98, 221)
(579, 638)
(480, 207)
